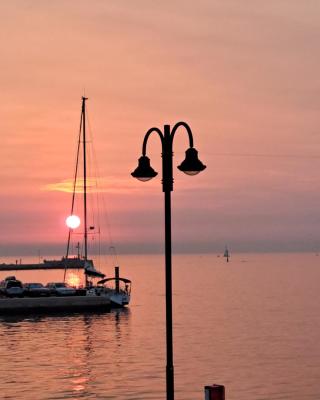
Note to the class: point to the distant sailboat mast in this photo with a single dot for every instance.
(85, 184)
(74, 188)
(85, 235)
(226, 254)
(84, 178)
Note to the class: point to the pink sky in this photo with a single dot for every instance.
(244, 75)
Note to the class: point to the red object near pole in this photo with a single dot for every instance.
(214, 392)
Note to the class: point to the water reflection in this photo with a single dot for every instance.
(84, 377)
(121, 322)
(255, 328)
(66, 354)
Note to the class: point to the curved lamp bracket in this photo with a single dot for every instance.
(146, 137)
(188, 129)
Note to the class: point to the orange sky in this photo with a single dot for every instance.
(244, 75)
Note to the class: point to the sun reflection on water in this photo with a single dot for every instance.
(73, 279)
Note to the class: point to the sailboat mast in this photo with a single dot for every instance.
(84, 178)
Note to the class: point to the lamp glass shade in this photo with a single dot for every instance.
(191, 164)
(144, 172)
(191, 173)
(144, 178)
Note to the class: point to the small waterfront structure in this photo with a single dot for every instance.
(214, 392)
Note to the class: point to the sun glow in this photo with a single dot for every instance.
(73, 221)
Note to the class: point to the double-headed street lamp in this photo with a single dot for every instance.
(144, 172)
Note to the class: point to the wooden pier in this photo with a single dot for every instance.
(64, 263)
(53, 304)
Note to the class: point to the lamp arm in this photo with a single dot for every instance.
(146, 137)
(188, 129)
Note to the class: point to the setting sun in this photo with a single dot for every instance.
(73, 221)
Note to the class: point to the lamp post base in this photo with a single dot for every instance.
(170, 383)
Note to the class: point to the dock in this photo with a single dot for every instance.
(64, 263)
(54, 304)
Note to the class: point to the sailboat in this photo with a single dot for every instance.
(92, 296)
(119, 293)
(226, 254)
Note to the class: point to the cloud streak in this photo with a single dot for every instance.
(94, 185)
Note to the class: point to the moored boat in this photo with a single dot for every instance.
(90, 296)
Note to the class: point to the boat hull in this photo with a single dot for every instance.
(54, 304)
(119, 299)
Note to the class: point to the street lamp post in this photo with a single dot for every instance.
(144, 172)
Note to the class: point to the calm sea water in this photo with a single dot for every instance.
(252, 324)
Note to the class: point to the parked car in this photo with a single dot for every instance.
(11, 287)
(60, 289)
(35, 290)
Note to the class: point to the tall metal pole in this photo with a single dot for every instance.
(167, 183)
(85, 183)
(145, 172)
(169, 368)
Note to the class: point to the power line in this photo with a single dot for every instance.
(294, 156)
